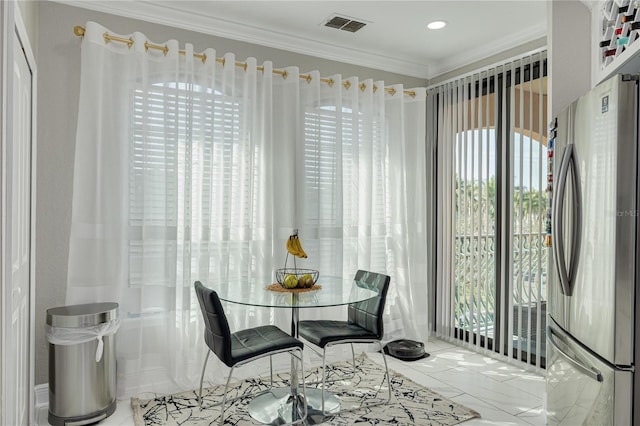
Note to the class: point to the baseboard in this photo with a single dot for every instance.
(42, 395)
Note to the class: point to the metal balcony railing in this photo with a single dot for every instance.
(475, 301)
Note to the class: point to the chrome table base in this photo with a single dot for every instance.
(278, 406)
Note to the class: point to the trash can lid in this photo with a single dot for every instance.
(85, 315)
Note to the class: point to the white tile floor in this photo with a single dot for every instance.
(502, 393)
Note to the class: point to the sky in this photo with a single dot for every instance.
(480, 158)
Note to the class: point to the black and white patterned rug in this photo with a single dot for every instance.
(411, 403)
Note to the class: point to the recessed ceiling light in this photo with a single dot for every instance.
(436, 25)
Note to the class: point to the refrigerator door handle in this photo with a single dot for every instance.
(576, 236)
(558, 228)
(590, 372)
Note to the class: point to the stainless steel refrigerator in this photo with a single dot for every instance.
(592, 338)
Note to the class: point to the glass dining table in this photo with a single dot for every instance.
(285, 404)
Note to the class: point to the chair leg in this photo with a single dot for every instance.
(364, 403)
(324, 373)
(206, 358)
(271, 371)
(353, 372)
(386, 368)
(224, 396)
(324, 360)
(353, 361)
(226, 387)
(371, 403)
(353, 364)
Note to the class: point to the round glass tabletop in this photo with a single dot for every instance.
(333, 291)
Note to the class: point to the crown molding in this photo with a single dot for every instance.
(590, 4)
(162, 13)
(468, 58)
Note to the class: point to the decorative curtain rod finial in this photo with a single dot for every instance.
(78, 30)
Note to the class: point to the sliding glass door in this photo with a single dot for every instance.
(492, 168)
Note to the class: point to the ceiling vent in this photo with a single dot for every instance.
(344, 23)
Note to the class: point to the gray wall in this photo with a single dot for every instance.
(500, 57)
(58, 90)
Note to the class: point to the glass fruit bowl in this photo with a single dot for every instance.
(296, 277)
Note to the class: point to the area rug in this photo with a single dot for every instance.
(411, 403)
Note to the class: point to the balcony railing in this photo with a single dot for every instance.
(475, 300)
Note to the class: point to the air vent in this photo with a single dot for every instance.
(344, 23)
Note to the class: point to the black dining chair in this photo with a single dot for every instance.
(241, 347)
(363, 325)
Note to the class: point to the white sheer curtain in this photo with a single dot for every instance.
(197, 169)
(364, 189)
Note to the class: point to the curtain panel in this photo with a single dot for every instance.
(189, 169)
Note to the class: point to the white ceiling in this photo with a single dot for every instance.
(395, 39)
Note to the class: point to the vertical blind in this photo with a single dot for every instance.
(492, 170)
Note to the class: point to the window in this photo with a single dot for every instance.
(345, 184)
(188, 188)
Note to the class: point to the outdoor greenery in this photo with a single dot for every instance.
(476, 245)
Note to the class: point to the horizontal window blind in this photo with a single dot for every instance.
(345, 184)
(187, 188)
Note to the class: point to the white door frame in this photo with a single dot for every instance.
(13, 27)
(6, 40)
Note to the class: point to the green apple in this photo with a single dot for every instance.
(290, 281)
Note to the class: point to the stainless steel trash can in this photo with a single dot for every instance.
(82, 364)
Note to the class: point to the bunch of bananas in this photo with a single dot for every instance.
(294, 247)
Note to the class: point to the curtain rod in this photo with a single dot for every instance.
(79, 31)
